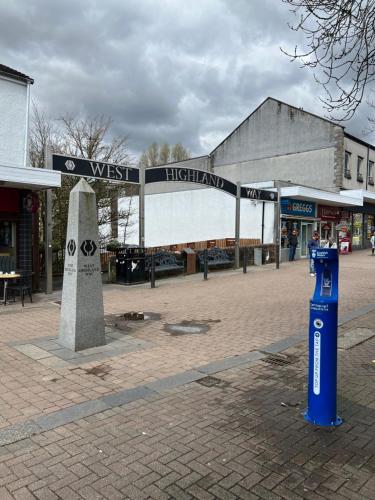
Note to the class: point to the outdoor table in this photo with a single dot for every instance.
(6, 277)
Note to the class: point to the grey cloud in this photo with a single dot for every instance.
(172, 71)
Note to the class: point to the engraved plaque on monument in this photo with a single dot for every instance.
(82, 313)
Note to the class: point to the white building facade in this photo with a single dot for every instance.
(19, 183)
(277, 142)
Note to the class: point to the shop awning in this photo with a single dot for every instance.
(367, 196)
(322, 197)
(29, 178)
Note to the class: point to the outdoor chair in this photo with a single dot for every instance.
(21, 287)
(6, 266)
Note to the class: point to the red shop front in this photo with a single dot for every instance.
(19, 231)
(333, 219)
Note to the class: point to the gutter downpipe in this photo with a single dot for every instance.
(364, 228)
(26, 151)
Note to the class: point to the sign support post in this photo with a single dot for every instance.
(277, 227)
(142, 206)
(237, 226)
(48, 225)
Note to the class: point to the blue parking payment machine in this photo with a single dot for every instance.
(322, 377)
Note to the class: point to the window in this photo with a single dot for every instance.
(6, 234)
(359, 169)
(371, 173)
(347, 165)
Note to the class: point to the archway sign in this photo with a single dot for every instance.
(81, 167)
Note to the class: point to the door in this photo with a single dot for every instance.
(306, 236)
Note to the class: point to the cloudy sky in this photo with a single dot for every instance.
(165, 70)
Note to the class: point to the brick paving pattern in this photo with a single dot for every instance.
(244, 312)
(239, 434)
(243, 437)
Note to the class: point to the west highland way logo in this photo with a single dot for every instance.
(71, 247)
(70, 165)
(88, 248)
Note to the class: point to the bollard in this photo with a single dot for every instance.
(244, 260)
(205, 263)
(152, 270)
(322, 376)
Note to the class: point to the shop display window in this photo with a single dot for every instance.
(287, 226)
(370, 226)
(357, 230)
(6, 235)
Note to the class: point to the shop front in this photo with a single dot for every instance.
(335, 222)
(19, 218)
(299, 215)
(9, 215)
(363, 226)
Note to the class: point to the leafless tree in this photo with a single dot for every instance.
(155, 155)
(340, 39)
(85, 138)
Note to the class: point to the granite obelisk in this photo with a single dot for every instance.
(82, 313)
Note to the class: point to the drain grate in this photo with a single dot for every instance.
(276, 359)
(210, 381)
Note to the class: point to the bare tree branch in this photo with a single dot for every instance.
(340, 38)
(86, 138)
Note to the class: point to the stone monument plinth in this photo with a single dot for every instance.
(82, 313)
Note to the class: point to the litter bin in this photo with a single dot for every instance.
(190, 260)
(130, 265)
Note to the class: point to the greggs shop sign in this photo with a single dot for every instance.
(297, 207)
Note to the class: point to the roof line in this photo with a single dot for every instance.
(14, 74)
(281, 102)
(361, 141)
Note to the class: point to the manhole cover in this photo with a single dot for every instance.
(276, 359)
(210, 381)
(186, 328)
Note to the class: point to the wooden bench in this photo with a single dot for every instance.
(165, 262)
(216, 258)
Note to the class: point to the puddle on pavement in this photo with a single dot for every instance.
(99, 371)
(186, 328)
(151, 316)
(212, 382)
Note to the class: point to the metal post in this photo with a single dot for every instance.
(244, 260)
(142, 206)
(152, 270)
(205, 263)
(262, 240)
(48, 225)
(277, 229)
(237, 227)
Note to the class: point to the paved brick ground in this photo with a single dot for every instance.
(244, 312)
(243, 437)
